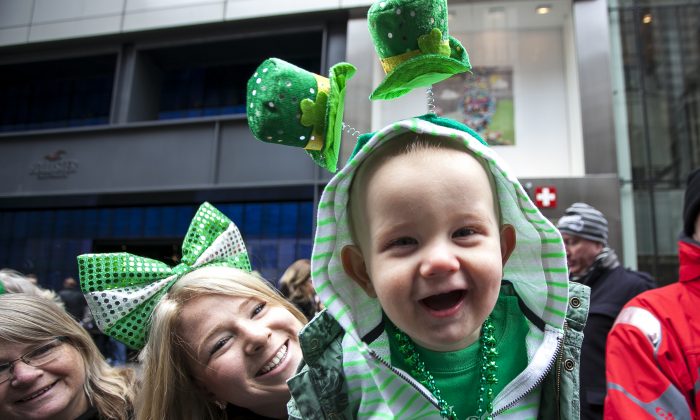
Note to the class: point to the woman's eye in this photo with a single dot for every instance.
(219, 344)
(465, 231)
(258, 308)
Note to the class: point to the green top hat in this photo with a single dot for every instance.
(289, 105)
(414, 46)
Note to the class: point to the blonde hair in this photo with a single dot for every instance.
(16, 282)
(169, 389)
(27, 319)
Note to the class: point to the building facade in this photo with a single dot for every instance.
(119, 117)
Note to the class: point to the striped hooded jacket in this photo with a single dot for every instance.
(347, 371)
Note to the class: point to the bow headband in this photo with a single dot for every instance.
(122, 289)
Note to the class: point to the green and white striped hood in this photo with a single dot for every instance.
(537, 269)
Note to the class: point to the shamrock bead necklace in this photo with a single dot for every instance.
(488, 367)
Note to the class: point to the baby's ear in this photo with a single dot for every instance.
(354, 266)
(507, 242)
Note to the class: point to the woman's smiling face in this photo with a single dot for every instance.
(245, 349)
(51, 391)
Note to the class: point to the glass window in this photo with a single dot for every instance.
(47, 242)
(661, 59)
(60, 93)
(202, 80)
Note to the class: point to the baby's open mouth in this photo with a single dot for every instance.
(444, 301)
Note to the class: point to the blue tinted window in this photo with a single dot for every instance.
(47, 242)
(75, 92)
(210, 79)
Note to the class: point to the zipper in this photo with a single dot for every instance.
(558, 374)
(405, 377)
(555, 359)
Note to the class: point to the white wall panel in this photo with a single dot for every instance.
(244, 9)
(179, 16)
(51, 10)
(75, 28)
(543, 135)
(355, 3)
(139, 5)
(15, 12)
(57, 16)
(13, 36)
(541, 120)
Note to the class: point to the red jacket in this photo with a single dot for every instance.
(653, 350)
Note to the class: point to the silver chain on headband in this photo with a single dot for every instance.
(350, 130)
(430, 96)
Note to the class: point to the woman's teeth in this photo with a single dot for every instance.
(36, 394)
(281, 354)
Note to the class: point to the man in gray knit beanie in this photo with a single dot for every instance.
(585, 233)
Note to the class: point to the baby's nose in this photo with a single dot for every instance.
(439, 261)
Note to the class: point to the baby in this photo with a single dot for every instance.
(424, 317)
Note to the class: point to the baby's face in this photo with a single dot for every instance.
(432, 246)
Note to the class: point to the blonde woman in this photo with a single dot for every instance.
(222, 345)
(218, 341)
(50, 368)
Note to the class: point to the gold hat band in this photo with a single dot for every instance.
(317, 139)
(390, 63)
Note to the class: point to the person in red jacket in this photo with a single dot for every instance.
(653, 350)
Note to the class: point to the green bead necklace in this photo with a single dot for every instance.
(487, 355)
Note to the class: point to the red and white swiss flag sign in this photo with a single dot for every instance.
(546, 197)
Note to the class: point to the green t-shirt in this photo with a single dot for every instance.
(456, 373)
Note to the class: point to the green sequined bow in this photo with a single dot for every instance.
(122, 289)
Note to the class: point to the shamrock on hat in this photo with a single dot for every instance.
(414, 46)
(291, 106)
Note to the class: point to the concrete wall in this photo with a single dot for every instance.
(148, 157)
(31, 21)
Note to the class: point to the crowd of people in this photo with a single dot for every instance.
(426, 290)
(435, 289)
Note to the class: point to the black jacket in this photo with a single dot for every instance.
(610, 290)
(74, 301)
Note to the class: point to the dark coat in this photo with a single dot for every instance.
(611, 289)
(90, 414)
(74, 301)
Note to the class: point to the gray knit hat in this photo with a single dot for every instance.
(584, 221)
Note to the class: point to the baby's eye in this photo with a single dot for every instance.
(258, 308)
(405, 241)
(465, 231)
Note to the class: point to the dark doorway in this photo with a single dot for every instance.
(168, 251)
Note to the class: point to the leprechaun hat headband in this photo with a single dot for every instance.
(122, 289)
(414, 46)
(291, 106)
